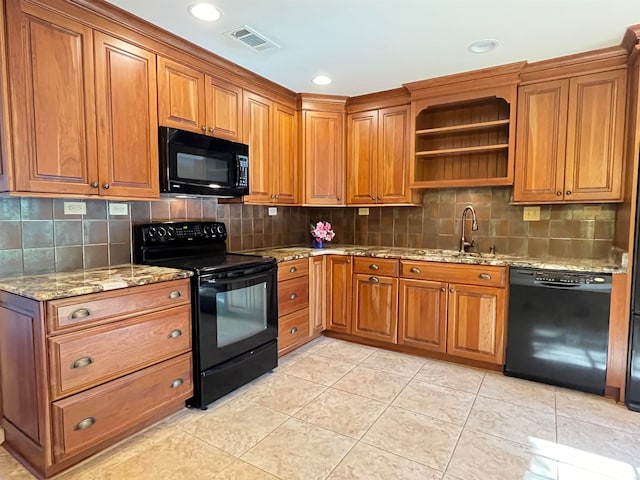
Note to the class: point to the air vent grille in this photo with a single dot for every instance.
(251, 39)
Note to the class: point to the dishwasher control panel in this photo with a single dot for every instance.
(568, 278)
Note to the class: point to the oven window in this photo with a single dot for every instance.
(199, 167)
(241, 313)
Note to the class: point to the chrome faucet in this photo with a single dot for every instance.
(464, 243)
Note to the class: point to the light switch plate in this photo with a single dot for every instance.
(118, 209)
(531, 214)
(75, 208)
(273, 211)
(363, 211)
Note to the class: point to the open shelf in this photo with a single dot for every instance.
(460, 128)
(462, 150)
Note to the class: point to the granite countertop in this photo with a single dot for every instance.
(449, 256)
(54, 285)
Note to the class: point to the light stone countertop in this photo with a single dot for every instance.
(50, 286)
(447, 256)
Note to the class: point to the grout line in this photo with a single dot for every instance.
(460, 435)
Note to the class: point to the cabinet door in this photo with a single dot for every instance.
(223, 109)
(181, 96)
(257, 134)
(362, 157)
(317, 295)
(339, 293)
(422, 319)
(285, 171)
(476, 323)
(126, 110)
(53, 100)
(375, 308)
(393, 155)
(541, 141)
(323, 150)
(595, 137)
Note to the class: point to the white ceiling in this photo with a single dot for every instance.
(372, 45)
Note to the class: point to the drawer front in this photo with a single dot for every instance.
(293, 295)
(88, 418)
(376, 266)
(483, 275)
(92, 356)
(72, 313)
(292, 329)
(293, 269)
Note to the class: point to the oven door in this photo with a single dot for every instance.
(236, 312)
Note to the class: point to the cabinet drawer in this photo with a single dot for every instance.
(92, 356)
(293, 269)
(88, 418)
(486, 275)
(375, 266)
(293, 295)
(293, 328)
(71, 313)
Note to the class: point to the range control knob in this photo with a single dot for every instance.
(220, 229)
(152, 232)
(161, 232)
(171, 232)
(206, 229)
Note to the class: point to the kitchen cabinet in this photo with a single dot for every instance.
(378, 156)
(270, 131)
(317, 295)
(68, 366)
(191, 100)
(61, 80)
(293, 305)
(375, 299)
(570, 135)
(423, 314)
(339, 281)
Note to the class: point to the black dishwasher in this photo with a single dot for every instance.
(558, 328)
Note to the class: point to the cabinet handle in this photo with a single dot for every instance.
(415, 270)
(204, 128)
(374, 279)
(568, 192)
(176, 383)
(86, 423)
(175, 294)
(372, 197)
(106, 186)
(80, 313)
(451, 290)
(293, 296)
(82, 362)
(277, 196)
(294, 330)
(94, 185)
(293, 270)
(373, 266)
(485, 276)
(210, 129)
(443, 289)
(339, 198)
(559, 194)
(175, 333)
(379, 198)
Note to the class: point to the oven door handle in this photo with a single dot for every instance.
(210, 280)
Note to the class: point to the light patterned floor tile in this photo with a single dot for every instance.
(512, 422)
(342, 412)
(10, 468)
(365, 462)
(323, 370)
(284, 393)
(346, 351)
(417, 437)
(451, 375)
(571, 472)
(446, 404)
(370, 383)
(236, 426)
(299, 451)
(521, 392)
(240, 470)
(394, 363)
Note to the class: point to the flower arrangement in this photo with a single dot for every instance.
(322, 232)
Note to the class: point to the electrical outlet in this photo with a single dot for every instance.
(363, 211)
(75, 208)
(118, 209)
(531, 214)
(273, 211)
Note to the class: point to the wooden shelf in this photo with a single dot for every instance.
(462, 182)
(462, 128)
(462, 150)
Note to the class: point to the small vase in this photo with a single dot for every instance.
(318, 243)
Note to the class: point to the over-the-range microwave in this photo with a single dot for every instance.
(196, 164)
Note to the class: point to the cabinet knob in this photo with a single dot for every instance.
(175, 294)
(106, 186)
(210, 129)
(293, 296)
(373, 266)
(485, 276)
(372, 197)
(294, 330)
(86, 423)
(374, 279)
(79, 313)
(176, 383)
(339, 198)
(204, 128)
(94, 184)
(175, 333)
(415, 270)
(568, 192)
(443, 289)
(293, 269)
(379, 198)
(277, 196)
(82, 362)
(559, 194)
(451, 290)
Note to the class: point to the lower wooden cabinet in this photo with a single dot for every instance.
(293, 304)
(339, 272)
(317, 295)
(423, 315)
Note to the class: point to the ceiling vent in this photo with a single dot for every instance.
(251, 39)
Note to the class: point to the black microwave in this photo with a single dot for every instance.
(196, 164)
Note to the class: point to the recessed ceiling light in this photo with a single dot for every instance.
(483, 46)
(204, 11)
(322, 80)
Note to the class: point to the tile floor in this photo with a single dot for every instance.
(342, 411)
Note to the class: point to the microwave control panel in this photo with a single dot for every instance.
(243, 171)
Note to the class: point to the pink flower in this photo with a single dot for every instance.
(322, 231)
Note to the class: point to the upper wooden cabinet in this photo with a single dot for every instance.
(63, 76)
(190, 100)
(378, 156)
(570, 139)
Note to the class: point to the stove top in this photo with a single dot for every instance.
(215, 263)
